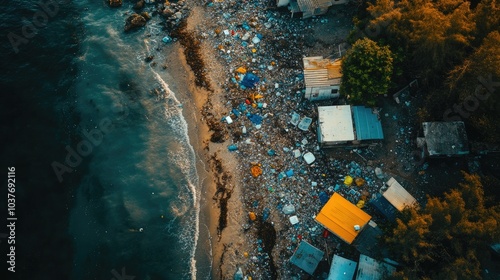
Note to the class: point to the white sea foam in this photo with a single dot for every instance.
(185, 159)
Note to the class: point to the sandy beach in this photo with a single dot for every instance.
(213, 158)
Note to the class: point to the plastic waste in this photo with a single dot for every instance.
(232, 148)
(305, 123)
(250, 80)
(265, 214)
(288, 209)
(348, 180)
(238, 275)
(252, 216)
(167, 39)
(294, 220)
(309, 157)
(295, 118)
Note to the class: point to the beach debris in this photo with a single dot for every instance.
(167, 39)
(348, 180)
(294, 220)
(255, 119)
(288, 209)
(232, 148)
(241, 70)
(296, 153)
(360, 204)
(266, 214)
(359, 182)
(305, 123)
(256, 171)
(379, 173)
(250, 80)
(252, 216)
(238, 275)
(295, 119)
(309, 157)
(228, 120)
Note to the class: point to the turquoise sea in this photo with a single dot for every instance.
(107, 182)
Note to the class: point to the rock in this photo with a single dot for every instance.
(149, 58)
(146, 15)
(167, 12)
(178, 15)
(139, 5)
(134, 21)
(115, 3)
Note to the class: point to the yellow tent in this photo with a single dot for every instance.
(341, 216)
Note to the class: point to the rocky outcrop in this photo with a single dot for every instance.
(134, 21)
(174, 12)
(115, 3)
(146, 15)
(139, 5)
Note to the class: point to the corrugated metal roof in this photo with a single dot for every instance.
(321, 72)
(368, 125)
(341, 269)
(335, 124)
(340, 216)
(398, 196)
(307, 257)
(445, 138)
(371, 269)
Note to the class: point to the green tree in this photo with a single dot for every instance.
(448, 238)
(436, 34)
(367, 70)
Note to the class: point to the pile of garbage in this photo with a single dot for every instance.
(286, 177)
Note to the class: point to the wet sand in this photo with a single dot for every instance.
(221, 208)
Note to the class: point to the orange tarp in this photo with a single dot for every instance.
(340, 216)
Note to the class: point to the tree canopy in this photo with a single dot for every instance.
(366, 71)
(447, 238)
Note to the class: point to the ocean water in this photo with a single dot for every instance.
(108, 186)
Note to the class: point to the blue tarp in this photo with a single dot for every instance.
(255, 119)
(368, 126)
(250, 80)
(384, 207)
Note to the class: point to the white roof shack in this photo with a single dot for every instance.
(398, 196)
(371, 269)
(335, 124)
(322, 78)
(342, 269)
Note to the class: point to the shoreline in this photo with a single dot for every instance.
(217, 190)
